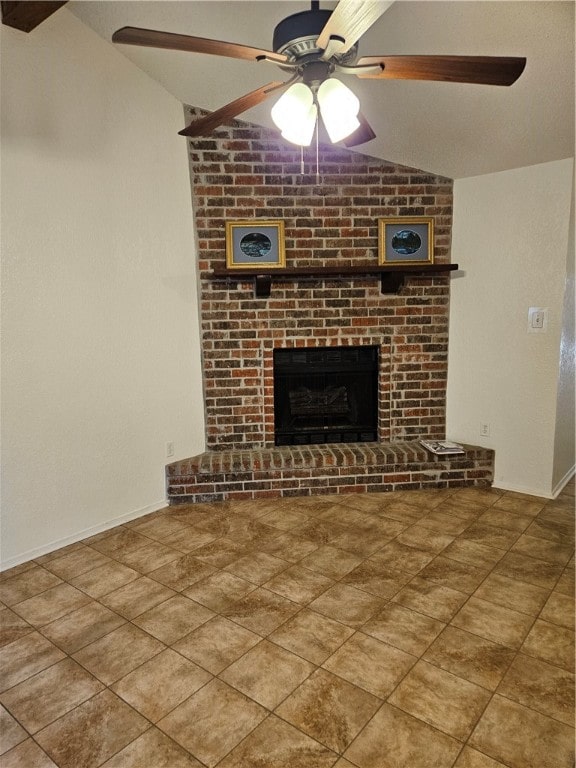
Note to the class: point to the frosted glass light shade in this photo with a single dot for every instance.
(339, 108)
(295, 114)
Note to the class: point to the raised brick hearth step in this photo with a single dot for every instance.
(315, 469)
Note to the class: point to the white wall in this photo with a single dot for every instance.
(511, 239)
(100, 339)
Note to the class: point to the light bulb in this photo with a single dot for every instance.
(339, 108)
(295, 114)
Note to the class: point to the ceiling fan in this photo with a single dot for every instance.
(312, 46)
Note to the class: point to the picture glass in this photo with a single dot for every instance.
(409, 243)
(251, 247)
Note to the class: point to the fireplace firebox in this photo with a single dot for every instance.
(326, 395)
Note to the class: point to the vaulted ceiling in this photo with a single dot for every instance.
(453, 129)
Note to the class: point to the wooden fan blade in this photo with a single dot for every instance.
(205, 125)
(361, 135)
(487, 70)
(349, 20)
(153, 39)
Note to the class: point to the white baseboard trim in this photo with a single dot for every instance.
(565, 480)
(45, 549)
(538, 491)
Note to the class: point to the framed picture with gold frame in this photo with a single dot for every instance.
(255, 244)
(406, 240)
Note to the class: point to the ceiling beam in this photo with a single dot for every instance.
(26, 16)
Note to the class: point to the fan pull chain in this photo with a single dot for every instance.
(301, 160)
(317, 154)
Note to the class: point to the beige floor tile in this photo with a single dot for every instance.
(370, 664)
(284, 519)
(377, 579)
(331, 561)
(401, 557)
(425, 539)
(152, 750)
(43, 698)
(213, 721)
(81, 627)
(471, 657)
(12, 627)
(552, 643)
(261, 611)
(76, 562)
(107, 725)
(362, 542)
(502, 518)
(512, 593)
(136, 597)
(431, 599)
(311, 635)
(11, 733)
(161, 684)
(493, 622)
(25, 657)
(182, 573)
(149, 557)
(51, 604)
(257, 567)
(565, 583)
(445, 523)
(189, 539)
(160, 528)
(441, 699)
(394, 739)
(27, 755)
(551, 530)
(450, 573)
(467, 551)
(320, 531)
(524, 505)
(551, 551)
(289, 547)
(267, 673)
(403, 512)
(118, 653)
(329, 709)
(471, 758)
(538, 572)
(405, 629)
(117, 542)
(299, 584)
(540, 686)
(490, 536)
(26, 584)
(106, 578)
(219, 591)
(173, 619)
(218, 554)
(283, 746)
(217, 644)
(351, 606)
(559, 609)
(522, 738)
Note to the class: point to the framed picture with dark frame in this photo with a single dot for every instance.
(406, 240)
(255, 244)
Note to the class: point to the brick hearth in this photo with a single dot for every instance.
(318, 469)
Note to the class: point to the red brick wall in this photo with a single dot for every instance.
(247, 172)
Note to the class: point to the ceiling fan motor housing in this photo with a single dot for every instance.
(296, 35)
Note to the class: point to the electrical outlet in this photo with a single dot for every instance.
(537, 319)
(484, 429)
(169, 449)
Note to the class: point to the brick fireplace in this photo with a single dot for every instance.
(245, 173)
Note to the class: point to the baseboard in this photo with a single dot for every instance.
(559, 487)
(81, 535)
(538, 491)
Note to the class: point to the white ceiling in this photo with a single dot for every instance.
(453, 129)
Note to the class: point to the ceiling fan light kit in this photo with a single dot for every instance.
(312, 45)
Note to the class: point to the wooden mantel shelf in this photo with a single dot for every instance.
(391, 276)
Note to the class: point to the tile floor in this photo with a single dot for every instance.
(421, 629)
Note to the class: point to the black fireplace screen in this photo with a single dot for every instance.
(325, 395)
